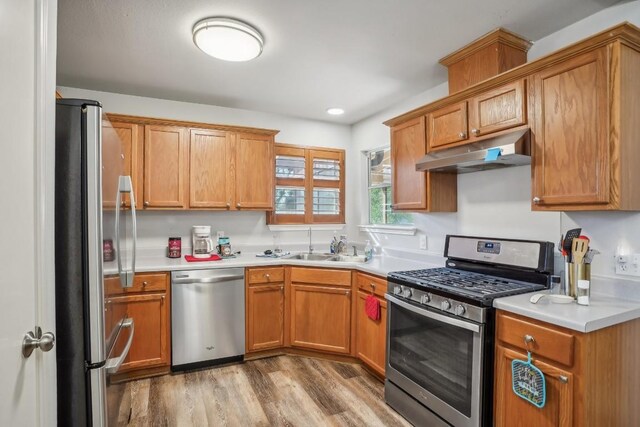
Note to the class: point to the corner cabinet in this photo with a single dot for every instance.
(591, 378)
(320, 309)
(414, 190)
(586, 151)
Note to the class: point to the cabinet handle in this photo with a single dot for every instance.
(162, 299)
(108, 301)
(146, 203)
(563, 379)
(462, 135)
(373, 286)
(475, 131)
(266, 276)
(282, 288)
(347, 293)
(238, 205)
(145, 283)
(537, 200)
(528, 339)
(228, 205)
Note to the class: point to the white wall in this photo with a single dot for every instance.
(497, 203)
(244, 228)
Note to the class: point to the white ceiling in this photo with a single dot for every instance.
(361, 55)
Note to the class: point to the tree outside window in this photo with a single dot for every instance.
(379, 183)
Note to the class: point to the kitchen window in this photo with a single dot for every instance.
(309, 186)
(379, 189)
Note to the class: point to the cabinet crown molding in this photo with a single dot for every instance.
(141, 120)
(499, 35)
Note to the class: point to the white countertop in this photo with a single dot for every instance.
(379, 265)
(619, 302)
(602, 311)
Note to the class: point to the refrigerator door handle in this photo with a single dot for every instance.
(134, 229)
(113, 364)
(125, 186)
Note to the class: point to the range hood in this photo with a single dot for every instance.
(511, 149)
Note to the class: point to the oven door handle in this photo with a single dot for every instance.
(435, 316)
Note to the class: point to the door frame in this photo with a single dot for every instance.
(45, 40)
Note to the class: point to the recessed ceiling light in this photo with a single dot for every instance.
(335, 111)
(228, 39)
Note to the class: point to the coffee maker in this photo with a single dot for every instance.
(202, 244)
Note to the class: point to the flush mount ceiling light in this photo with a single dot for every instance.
(335, 111)
(228, 39)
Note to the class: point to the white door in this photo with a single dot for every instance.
(27, 85)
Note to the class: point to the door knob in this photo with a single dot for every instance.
(36, 339)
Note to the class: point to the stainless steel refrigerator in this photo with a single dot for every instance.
(90, 217)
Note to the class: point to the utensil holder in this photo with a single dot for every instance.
(577, 272)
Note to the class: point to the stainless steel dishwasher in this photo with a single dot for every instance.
(207, 317)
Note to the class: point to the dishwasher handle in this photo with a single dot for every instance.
(213, 279)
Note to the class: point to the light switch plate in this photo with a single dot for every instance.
(423, 242)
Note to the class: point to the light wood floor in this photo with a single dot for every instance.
(278, 391)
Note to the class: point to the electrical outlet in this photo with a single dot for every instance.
(220, 234)
(628, 265)
(423, 242)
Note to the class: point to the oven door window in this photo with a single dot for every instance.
(436, 356)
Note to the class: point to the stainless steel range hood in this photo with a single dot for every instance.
(511, 149)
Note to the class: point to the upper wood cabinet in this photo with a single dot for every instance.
(448, 125)
(187, 165)
(121, 145)
(498, 109)
(166, 167)
(210, 177)
(472, 120)
(586, 150)
(254, 171)
(413, 190)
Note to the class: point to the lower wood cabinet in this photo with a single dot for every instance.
(591, 378)
(264, 309)
(371, 335)
(321, 318)
(150, 311)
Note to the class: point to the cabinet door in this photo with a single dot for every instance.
(571, 142)
(166, 163)
(408, 145)
(210, 181)
(120, 145)
(448, 125)
(321, 318)
(254, 171)
(371, 341)
(498, 109)
(512, 410)
(265, 317)
(151, 340)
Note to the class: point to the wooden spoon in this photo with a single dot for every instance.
(579, 249)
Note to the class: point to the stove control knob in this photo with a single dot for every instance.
(397, 290)
(426, 298)
(445, 305)
(406, 292)
(460, 310)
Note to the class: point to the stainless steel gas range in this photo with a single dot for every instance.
(441, 325)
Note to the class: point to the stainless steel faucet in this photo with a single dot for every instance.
(355, 250)
(310, 245)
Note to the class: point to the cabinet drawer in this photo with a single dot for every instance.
(265, 275)
(156, 282)
(547, 342)
(321, 276)
(369, 284)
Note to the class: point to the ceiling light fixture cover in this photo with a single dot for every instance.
(335, 111)
(228, 39)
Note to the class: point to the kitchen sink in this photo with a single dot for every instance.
(327, 257)
(312, 257)
(349, 258)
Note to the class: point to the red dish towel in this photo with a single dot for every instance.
(213, 257)
(372, 307)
